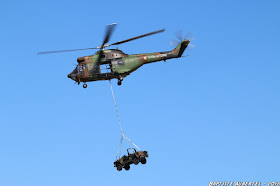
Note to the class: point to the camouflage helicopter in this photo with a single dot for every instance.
(116, 63)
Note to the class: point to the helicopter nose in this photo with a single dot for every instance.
(69, 75)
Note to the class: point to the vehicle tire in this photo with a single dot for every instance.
(85, 85)
(127, 167)
(119, 82)
(135, 161)
(119, 167)
(143, 160)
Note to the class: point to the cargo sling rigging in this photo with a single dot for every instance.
(122, 136)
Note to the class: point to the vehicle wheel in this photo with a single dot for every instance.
(135, 161)
(143, 160)
(119, 167)
(85, 85)
(127, 167)
(119, 82)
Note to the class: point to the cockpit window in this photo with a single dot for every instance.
(83, 66)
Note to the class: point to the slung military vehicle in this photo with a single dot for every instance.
(113, 63)
(134, 158)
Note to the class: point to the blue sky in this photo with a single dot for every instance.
(211, 116)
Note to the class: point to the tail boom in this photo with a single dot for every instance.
(159, 56)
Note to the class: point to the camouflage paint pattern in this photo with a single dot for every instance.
(120, 63)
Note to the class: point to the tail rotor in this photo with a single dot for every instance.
(179, 35)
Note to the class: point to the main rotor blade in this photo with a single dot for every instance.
(109, 31)
(58, 51)
(137, 37)
(99, 57)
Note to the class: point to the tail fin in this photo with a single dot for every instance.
(179, 50)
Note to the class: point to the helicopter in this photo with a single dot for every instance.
(107, 64)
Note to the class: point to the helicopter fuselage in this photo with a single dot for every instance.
(116, 64)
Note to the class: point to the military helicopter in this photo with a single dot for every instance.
(116, 63)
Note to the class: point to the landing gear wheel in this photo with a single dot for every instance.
(143, 160)
(135, 161)
(119, 82)
(127, 167)
(85, 85)
(119, 167)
